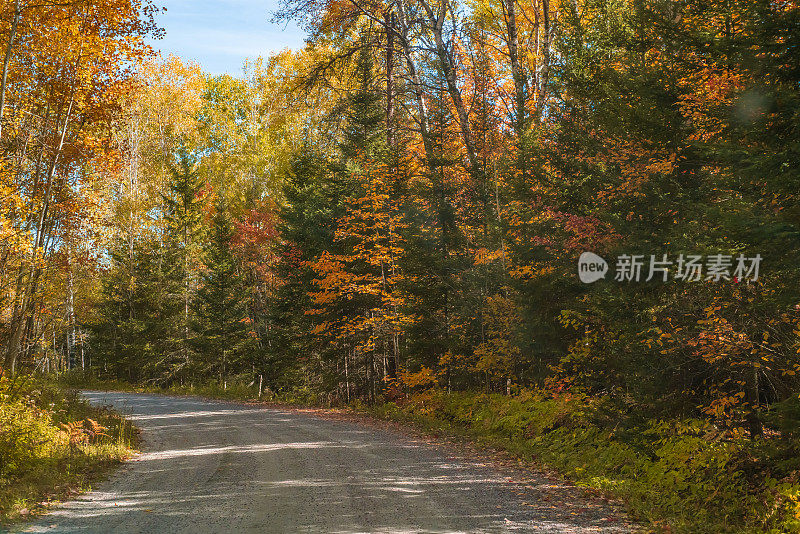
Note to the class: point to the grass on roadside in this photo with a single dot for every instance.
(53, 444)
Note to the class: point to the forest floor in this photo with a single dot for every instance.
(212, 466)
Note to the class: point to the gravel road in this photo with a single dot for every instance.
(222, 467)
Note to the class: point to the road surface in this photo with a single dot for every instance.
(222, 467)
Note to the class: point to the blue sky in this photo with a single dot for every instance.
(220, 34)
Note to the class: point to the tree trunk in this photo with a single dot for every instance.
(390, 17)
(416, 84)
(517, 73)
(543, 76)
(7, 60)
(436, 24)
(753, 420)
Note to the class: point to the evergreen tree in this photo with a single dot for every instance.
(352, 293)
(365, 126)
(433, 236)
(307, 223)
(137, 328)
(343, 218)
(183, 212)
(220, 311)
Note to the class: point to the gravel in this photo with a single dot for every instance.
(211, 466)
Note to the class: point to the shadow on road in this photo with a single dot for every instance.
(220, 467)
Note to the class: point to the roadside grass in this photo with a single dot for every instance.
(674, 476)
(53, 445)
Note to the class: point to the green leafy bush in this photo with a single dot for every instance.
(27, 433)
(52, 443)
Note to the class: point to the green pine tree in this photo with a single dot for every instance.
(137, 327)
(307, 225)
(183, 213)
(220, 308)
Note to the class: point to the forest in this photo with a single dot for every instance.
(394, 216)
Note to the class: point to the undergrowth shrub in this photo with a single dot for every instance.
(52, 443)
(26, 434)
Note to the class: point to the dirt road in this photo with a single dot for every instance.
(223, 467)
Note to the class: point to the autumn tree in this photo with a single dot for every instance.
(65, 68)
(358, 298)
